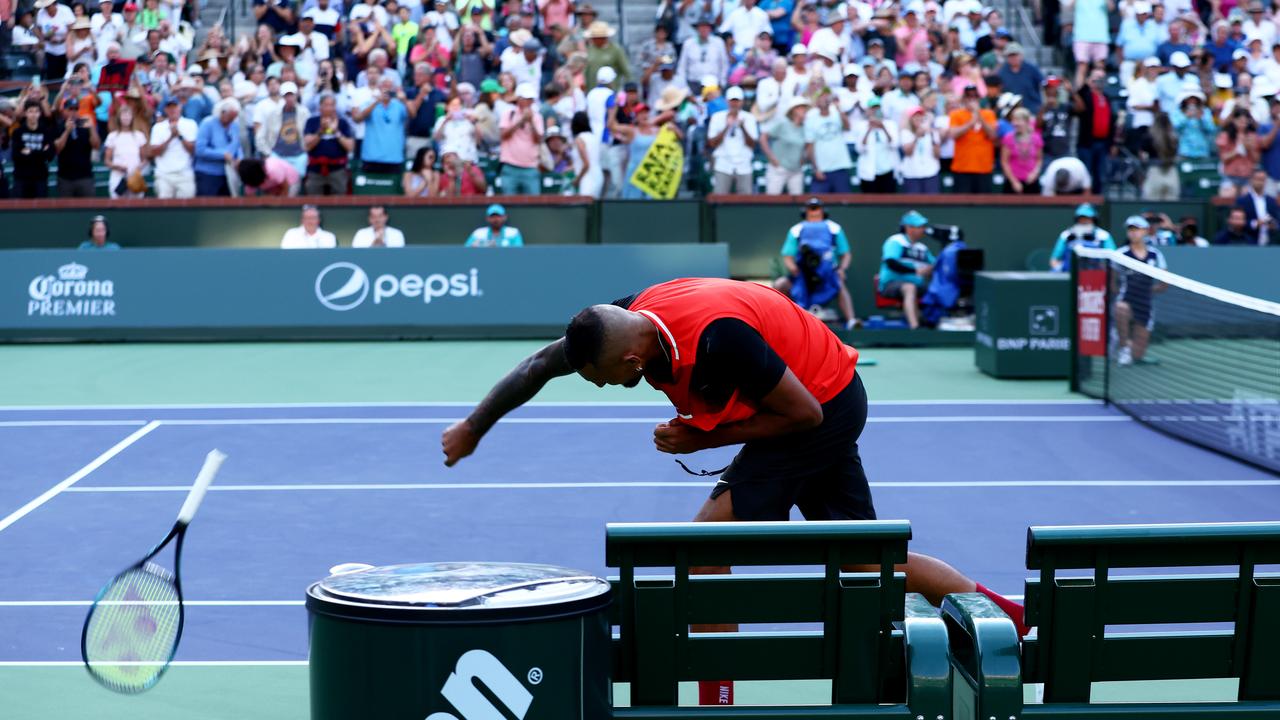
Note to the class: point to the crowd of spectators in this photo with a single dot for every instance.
(474, 97)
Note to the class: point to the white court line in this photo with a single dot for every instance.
(68, 423)
(632, 420)
(78, 475)
(175, 663)
(451, 404)
(686, 484)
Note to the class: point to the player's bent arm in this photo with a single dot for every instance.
(788, 408)
(520, 385)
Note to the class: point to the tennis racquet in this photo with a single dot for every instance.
(131, 633)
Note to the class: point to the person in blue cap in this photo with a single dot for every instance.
(1134, 311)
(1085, 233)
(495, 233)
(816, 255)
(906, 264)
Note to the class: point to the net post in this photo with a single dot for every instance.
(1106, 334)
(1074, 316)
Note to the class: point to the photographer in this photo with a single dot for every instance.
(75, 145)
(816, 256)
(1085, 233)
(906, 264)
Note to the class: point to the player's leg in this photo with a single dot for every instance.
(843, 493)
(755, 486)
(717, 508)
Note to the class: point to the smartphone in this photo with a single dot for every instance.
(35, 81)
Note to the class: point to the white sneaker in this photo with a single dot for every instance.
(1126, 356)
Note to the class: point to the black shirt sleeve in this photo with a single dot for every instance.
(732, 356)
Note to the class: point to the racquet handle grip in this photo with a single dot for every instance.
(211, 464)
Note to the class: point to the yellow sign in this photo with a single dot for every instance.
(659, 173)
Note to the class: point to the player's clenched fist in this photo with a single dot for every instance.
(458, 441)
(677, 438)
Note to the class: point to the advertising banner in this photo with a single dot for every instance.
(1091, 311)
(414, 291)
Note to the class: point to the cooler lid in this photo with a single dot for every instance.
(464, 585)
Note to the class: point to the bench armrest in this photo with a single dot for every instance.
(928, 659)
(985, 653)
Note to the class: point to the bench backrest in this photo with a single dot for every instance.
(857, 611)
(1073, 649)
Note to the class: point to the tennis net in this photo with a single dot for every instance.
(1195, 361)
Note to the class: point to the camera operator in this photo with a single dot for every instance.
(906, 265)
(816, 255)
(1085, 232)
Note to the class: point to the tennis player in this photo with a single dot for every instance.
(742, 363)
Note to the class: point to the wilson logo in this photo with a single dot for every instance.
(475, 668)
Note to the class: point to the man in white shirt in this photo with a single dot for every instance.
(1259, 25)
(796, 81)
(172, 148)
(831, 39)
(1065, 176)
(877, 144)
(524, 61)
(732, 136)
(444, 21)
(106, 27)
(703, 54)
(744, 25)
(53, 23)
(1143, 98)
(378, 234)
(315, 47)
(325, 16)
(309, 235)
(824, 129)
(270, 105)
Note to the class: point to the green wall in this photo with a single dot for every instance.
(230, 226)
(644, 221)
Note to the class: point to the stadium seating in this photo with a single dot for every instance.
(1072, 647)
(885, 651)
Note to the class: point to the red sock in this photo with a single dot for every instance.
(715, 692)
(1016, 612)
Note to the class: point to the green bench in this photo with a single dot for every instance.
(1073, 647)
(884, 651)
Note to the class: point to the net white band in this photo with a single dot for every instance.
(1182, 282)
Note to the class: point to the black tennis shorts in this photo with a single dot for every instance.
(818, 470)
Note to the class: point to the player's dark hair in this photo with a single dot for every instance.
(252, 172)
(584, 338)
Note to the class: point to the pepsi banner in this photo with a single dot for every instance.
(212, 294)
